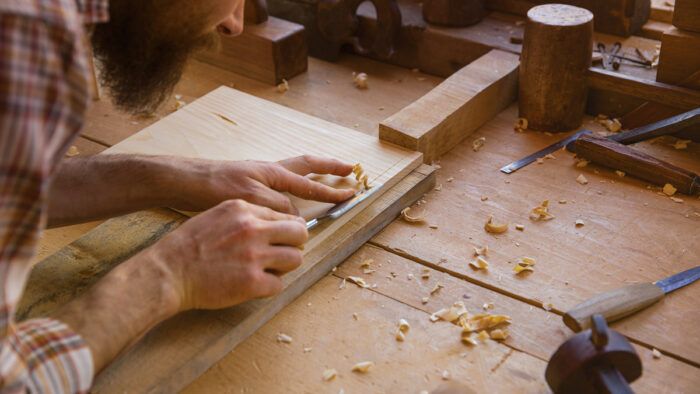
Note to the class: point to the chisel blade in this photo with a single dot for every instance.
(342, 208)
(679, 280)
(516, 165)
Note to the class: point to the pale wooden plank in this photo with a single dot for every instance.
(631, 233)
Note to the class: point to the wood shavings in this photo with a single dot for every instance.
(540, 160)
(550, 156)
(445, 375)
(579, 223)
(487, 306)
(425, 300)
(494, 228)
(547, 307)
(612, 125)
(450, 314)
(484, 198)
(179, 104)
(619, 173)
(468, 339)
(329, 375)
(362, 367)
(541, 213)
(582, 179)
(520, 227)
(425, 274)
(582, 163)
(437, 288)
(669, 190)
(438, 187)
(523, 265)
(402, 330)
(283, 87)
(406, 216)
(226, 119)
(482, 251)
(368, 271)
(655, 353)
(307, 350)
(562, 202)
(72, 151)
(479, 264)
(521, 125)
(677, 200)
(366, 263)
(410, 276)
(485, 321)
(433, 226)
(478, 143)
(284, 338)
(358, 281)
(355, 316)
(360, 80)
(499, 334)
(360, 176)
(483, 336)
(681, 144)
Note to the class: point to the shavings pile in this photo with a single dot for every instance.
(612, 125)
(402, 330)
(362, 367)
(406, 216)
(360, 80)
(494, 228)
(283, 87)
(481, 322)
(524, 264)
(541, 213)
(360, 176)
(478, 143)
(520, 125)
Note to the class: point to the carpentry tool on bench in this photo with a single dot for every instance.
(622, 302)
(342, 208)
(598, 360)
(612, 152)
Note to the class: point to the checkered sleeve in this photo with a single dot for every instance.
(42, 94)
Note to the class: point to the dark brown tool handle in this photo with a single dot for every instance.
(668, 126)
(621, 157)
(255, 11)
(337, 21)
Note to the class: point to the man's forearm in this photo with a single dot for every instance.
(122, 307)
(106, 185)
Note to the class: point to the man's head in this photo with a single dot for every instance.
(143, 49)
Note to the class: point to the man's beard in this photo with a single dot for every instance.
(139, 63)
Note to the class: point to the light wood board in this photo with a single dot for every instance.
(256, 129)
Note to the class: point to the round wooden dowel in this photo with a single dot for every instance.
(453, 12)
(556, 55)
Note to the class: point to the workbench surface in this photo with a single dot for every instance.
(631, 234)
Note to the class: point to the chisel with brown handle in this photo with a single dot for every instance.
(617, 156)
(622, 302)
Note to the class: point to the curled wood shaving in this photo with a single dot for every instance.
(402, 330)
(425, 300)
(445, 375)
(582, 179)
(360, 80)
(582, 163)
(655, 353)
(425, 274)
(499, 334)
(283, 338)
(366, 263)
(479, 264)
(360, 176)
(579, 223)
(450, 314)
(283, 87)
(541, 212)
(358, 281)
(612, 125)
(521, 125)
(525, 264)
(681, 144)
(482, 251)
(437, 288)
(406, 216)
(73, 151)
(520, 227)
(669, 190)
(329, 374)
(478, 143)
(677, 200)
(619, 173)
(482, 336)
(179, 104)
(493, 228)
(362, 367)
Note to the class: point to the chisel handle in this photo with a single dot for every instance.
(621, 157)
(613, 305)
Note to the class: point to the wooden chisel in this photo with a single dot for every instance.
(622, 302)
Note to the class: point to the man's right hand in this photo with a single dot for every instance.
(231, 253)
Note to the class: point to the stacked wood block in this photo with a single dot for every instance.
(679, 61)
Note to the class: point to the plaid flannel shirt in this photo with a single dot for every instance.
(44, 92)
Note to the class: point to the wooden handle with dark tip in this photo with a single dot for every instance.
(632, 162)
(613, 305)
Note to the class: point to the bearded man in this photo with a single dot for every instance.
(234, 251)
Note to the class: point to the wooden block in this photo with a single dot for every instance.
(680, 56)
(686, 15)
(441, 119)
(182, 348)
(268, 52)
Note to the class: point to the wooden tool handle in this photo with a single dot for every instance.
(613, 305)
(620, 157)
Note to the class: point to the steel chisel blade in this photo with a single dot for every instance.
(516, 165)
(679, 280)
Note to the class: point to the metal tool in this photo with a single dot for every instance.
(516, 165)
(598, 360)
(610, 59)
(341, 209)
(622, 302)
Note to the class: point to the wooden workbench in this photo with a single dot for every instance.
(630, 234)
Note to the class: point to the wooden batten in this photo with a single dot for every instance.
(269, 51)
(441, 119)
(680, 56)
